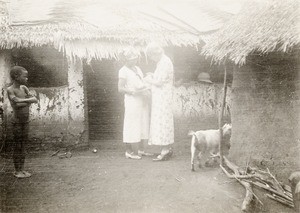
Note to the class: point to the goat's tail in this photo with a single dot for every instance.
(191, 133)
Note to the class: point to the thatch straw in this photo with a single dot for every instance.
(85, 41)
(97, 29)
(262, 26)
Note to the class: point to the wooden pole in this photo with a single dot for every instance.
(221, 117)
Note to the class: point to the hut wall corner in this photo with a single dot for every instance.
(265, 115)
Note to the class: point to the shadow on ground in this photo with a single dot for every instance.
(107, 182)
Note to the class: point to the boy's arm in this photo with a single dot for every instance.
(20, 105)
(16, 100)
(30, 96)
(12, 97)
(24, 100)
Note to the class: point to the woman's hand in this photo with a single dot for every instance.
(149, 78)
(140, 91)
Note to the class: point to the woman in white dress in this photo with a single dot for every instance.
(161, 124)
(137, 112)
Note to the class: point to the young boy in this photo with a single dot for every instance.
(20, 100)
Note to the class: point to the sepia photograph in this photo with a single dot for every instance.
(149, 106)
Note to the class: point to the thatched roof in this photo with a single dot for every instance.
(4, 18)
(262, 26)
(101, 28)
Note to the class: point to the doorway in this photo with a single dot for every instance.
(105, 104)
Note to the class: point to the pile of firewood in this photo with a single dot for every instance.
(260, 179)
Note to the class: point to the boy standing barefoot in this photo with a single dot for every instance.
(20, 100)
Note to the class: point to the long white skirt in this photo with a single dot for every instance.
(136, 119)
(162, 122)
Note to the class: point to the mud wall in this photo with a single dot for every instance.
(199, 100)
(197, 106)
(59, 116)
(265, 113)
(49, 117)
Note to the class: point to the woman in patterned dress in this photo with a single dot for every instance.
(161, 124)
(137, 112)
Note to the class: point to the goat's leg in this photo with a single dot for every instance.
(204, 158)
(199, 157)
(193, 151)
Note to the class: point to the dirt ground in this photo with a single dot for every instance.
(107, 182)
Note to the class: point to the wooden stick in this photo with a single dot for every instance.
(248, 197)
(233, 176)
(232, 166)
(248, 186)
(287, 192)
(281, 201)
(277, 183)
(249, 192)
(241, 182)
(226, 172)
(271, 190)
(260, 175)
(221, 117)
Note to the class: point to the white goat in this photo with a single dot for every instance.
(207, 143)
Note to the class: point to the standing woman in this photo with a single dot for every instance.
(137, 113)
(161, 124)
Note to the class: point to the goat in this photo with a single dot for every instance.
(207, 143)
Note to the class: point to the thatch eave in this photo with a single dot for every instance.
(82, 40)
(264, 26)
(67, 25)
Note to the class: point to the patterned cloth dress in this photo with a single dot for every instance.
(137, 109)
(162, 124)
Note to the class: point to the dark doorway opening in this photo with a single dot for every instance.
(105, 104)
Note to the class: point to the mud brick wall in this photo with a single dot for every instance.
(48, 81)
(265, 113)
(49, 117)
(199, 100)
(59, 116)
(197, 106)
